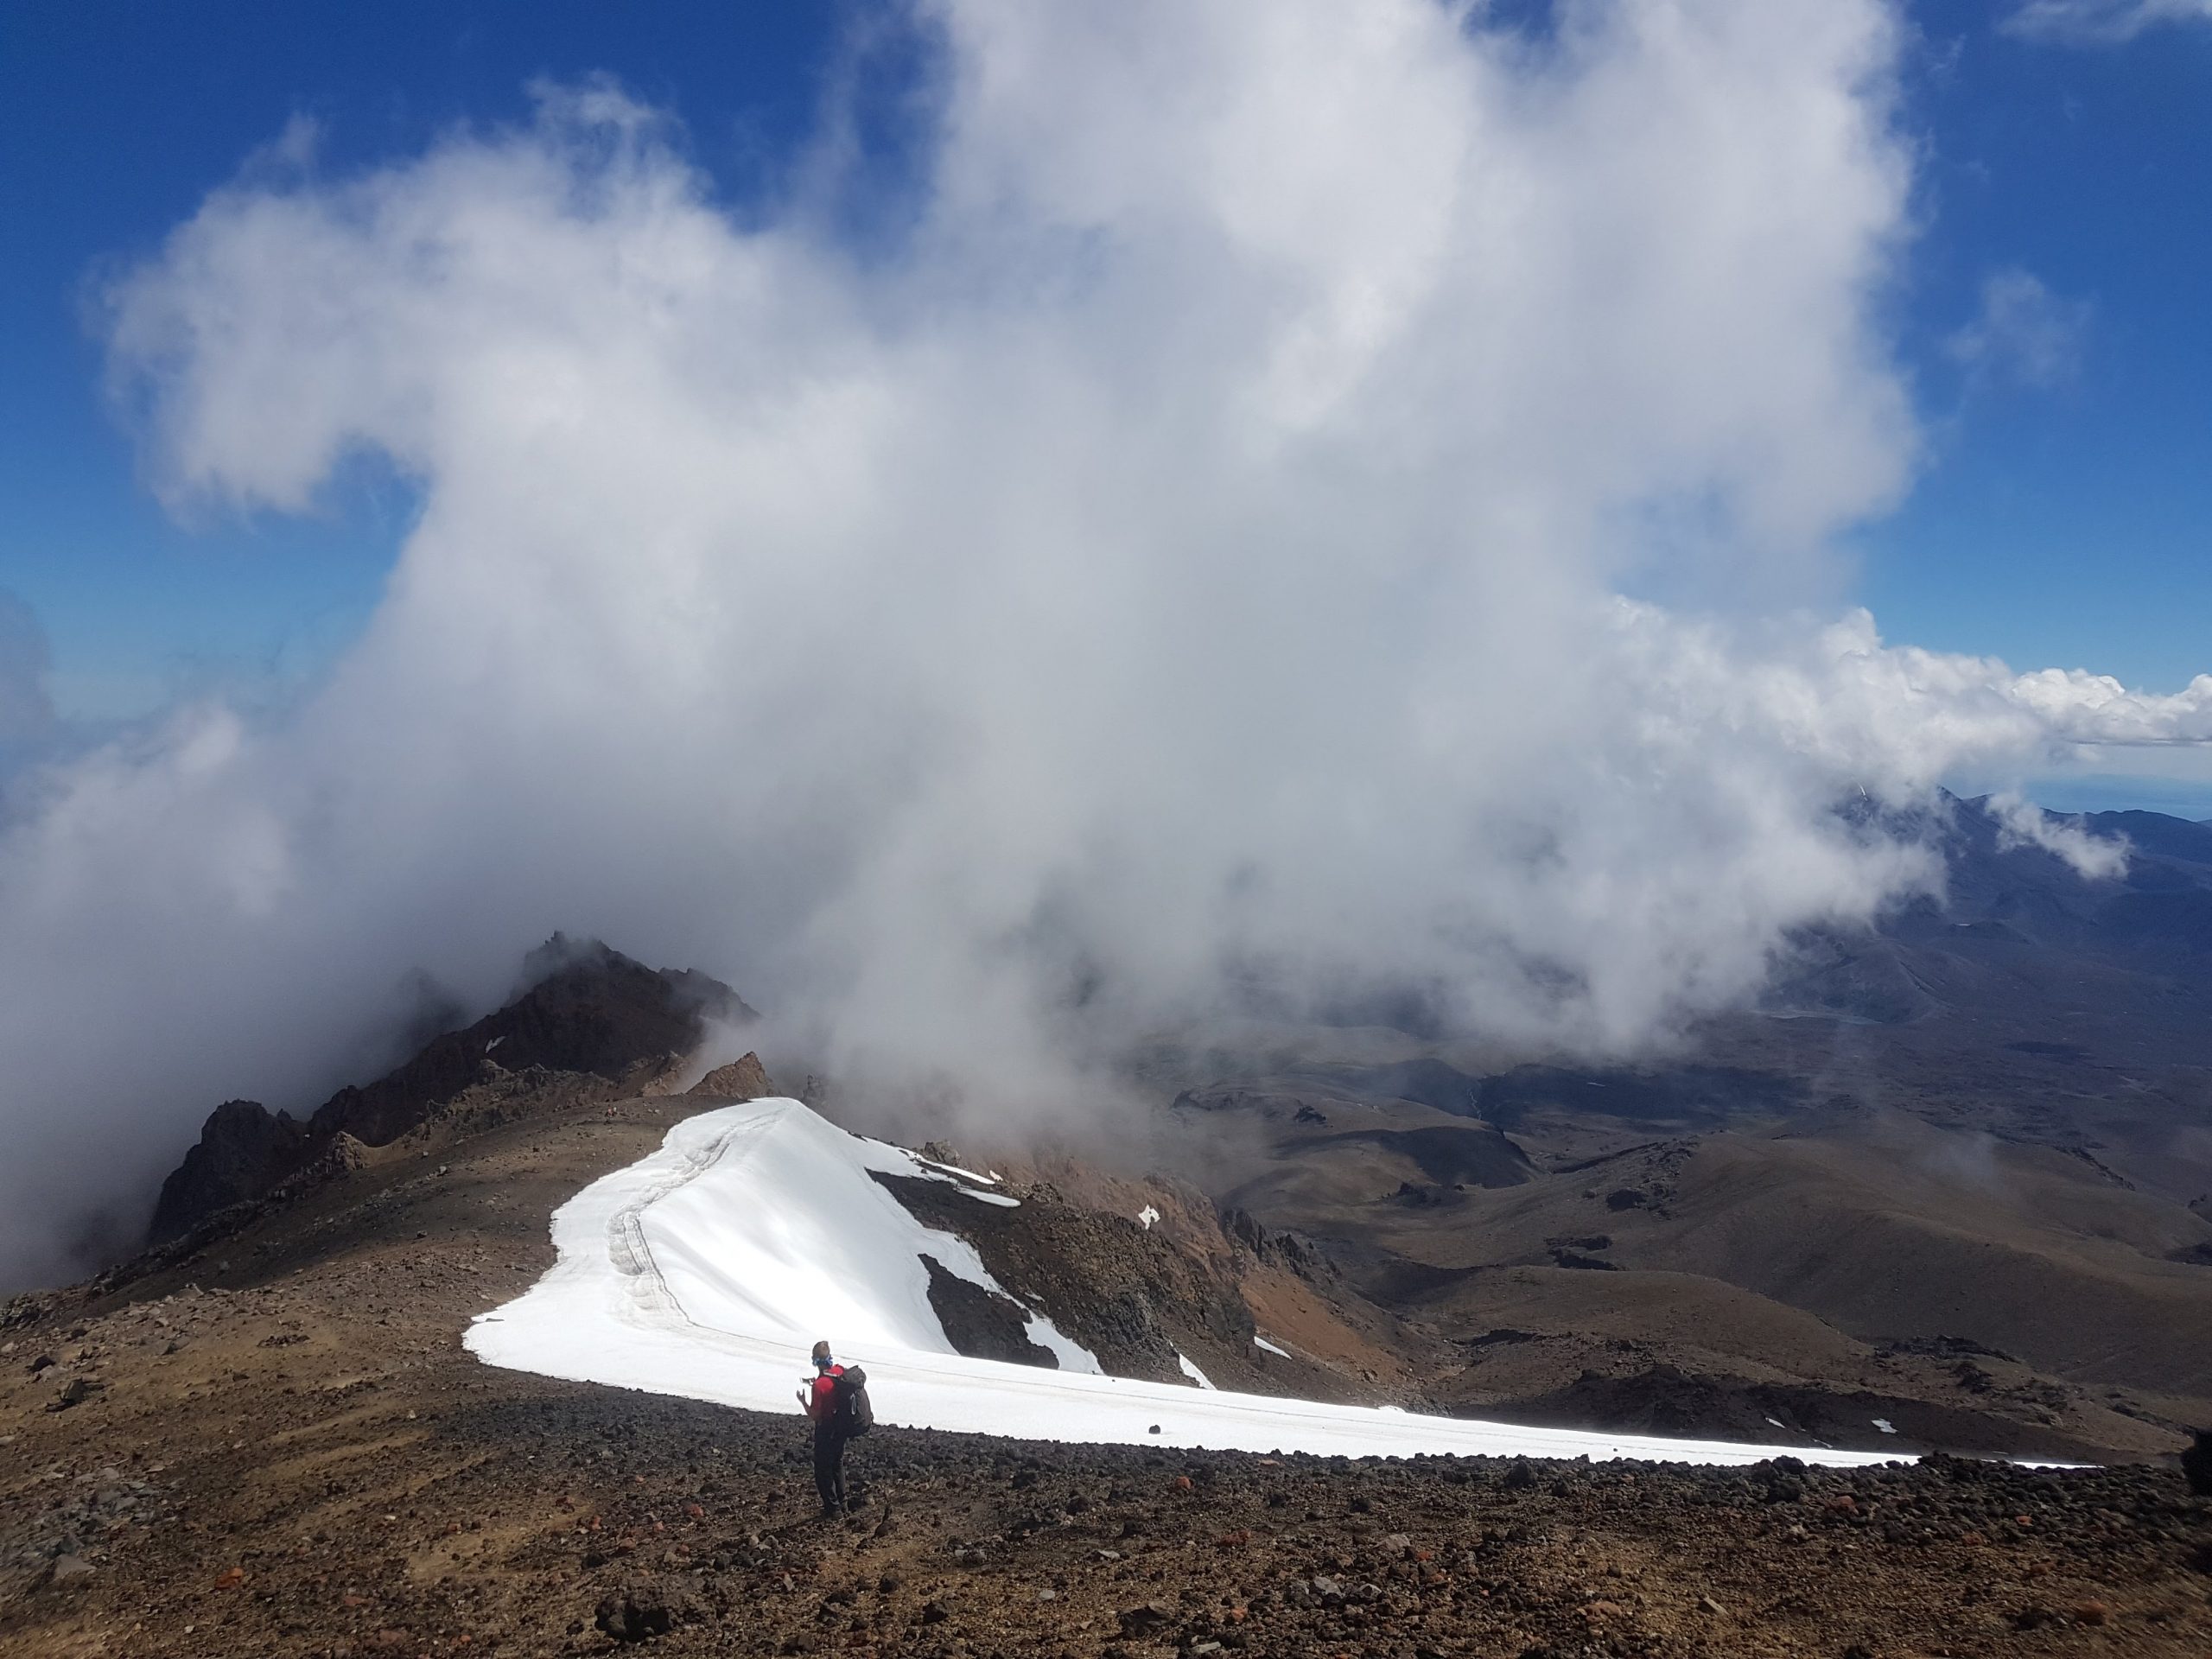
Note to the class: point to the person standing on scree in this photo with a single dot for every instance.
(831, 1427)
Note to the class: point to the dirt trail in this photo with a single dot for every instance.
(280, 1448)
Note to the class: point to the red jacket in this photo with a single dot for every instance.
(822, 1398)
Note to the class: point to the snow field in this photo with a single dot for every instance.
(709, 1269)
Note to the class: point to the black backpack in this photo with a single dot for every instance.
(851, 1401)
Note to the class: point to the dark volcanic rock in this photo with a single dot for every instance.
(2197, 1464)
(1280, 1247)
(642, 1610)
(1120, 1290)
(1145, 1617)
(982, 1324)
(244, 1149)
(1578, 1259)
(587, 1010)
(741, 1079)
(75, 1392)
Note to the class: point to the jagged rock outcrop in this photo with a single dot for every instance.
(1281, 1247)
(244, 1151)
(741, 1079)
(587, 1010)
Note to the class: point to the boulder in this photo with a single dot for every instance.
(646, 1608)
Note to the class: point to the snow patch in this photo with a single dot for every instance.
(1072, 1355)
(953, 1169)
(708, 1268)
(1191, 1371)
(1261, 1341)
(1147, 1216)
(1884, 1425)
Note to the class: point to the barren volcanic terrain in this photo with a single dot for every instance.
(1955, 1176)
(1945, 1194)
(279, 1447)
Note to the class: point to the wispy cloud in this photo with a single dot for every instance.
(26, 707)
(2020, 823)
(2100, 22)
(2023, 334)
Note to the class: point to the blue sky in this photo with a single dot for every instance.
(2061, 518)
(116, 121)
(2068, 522)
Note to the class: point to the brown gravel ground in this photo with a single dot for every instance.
(280, 1448)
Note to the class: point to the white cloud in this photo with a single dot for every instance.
(2100, 22)
(26, 707)
(1184, 570)
(2020, 823)
(2023, 333)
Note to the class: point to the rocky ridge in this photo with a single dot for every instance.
(584, 1011)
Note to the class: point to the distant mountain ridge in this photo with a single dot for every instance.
(2018, 926)
(1948, 1184)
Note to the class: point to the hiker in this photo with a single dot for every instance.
(836, 1400)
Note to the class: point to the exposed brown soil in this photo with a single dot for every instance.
(280, 1448)
(1977, 1293)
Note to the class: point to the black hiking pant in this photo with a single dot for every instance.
(829, 1465)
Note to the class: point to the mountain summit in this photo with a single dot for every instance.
(587, 1010)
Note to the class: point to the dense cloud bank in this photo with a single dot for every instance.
(1183, 569)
